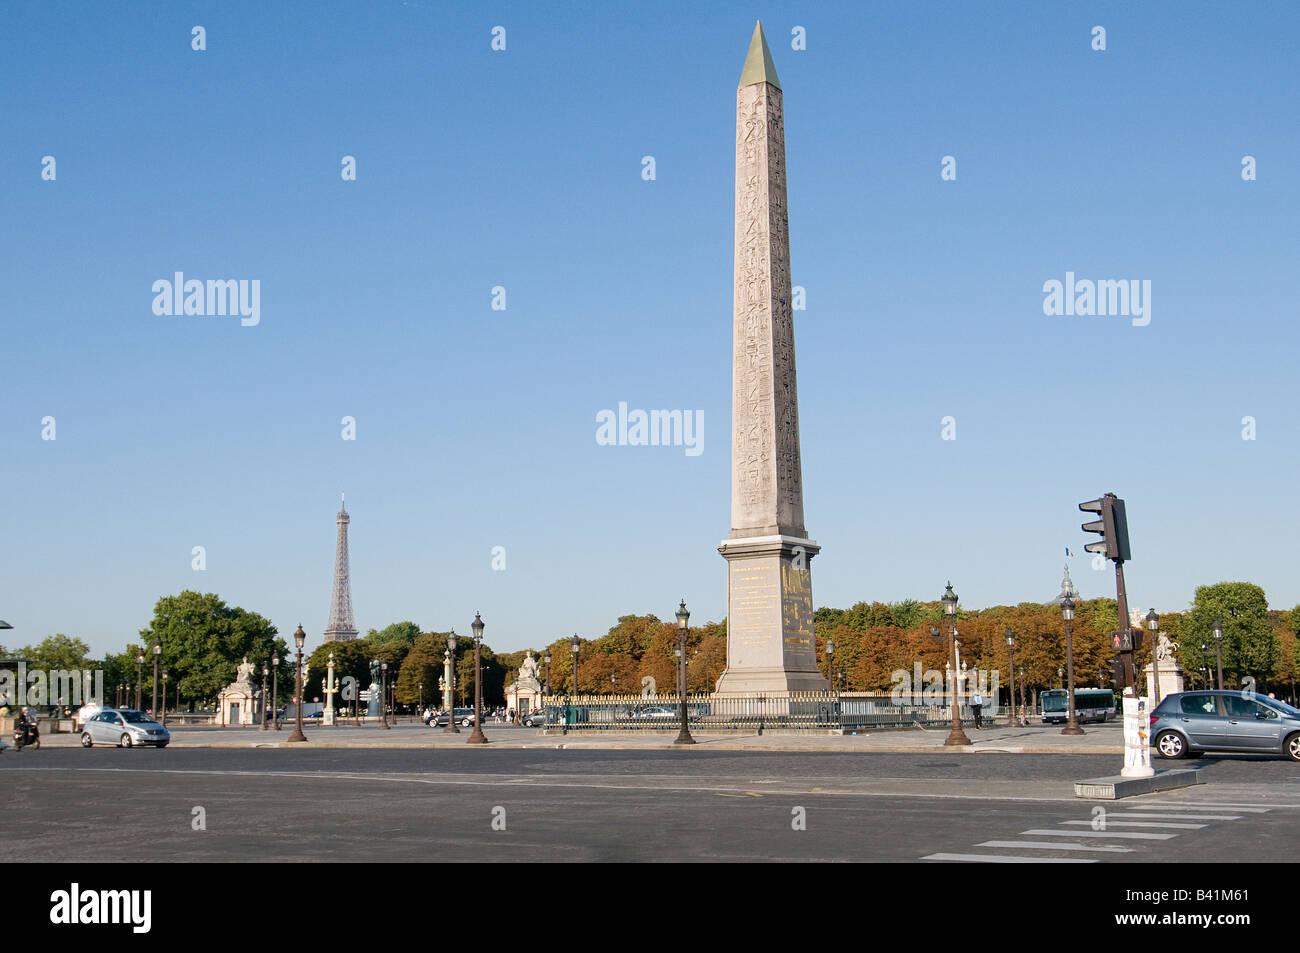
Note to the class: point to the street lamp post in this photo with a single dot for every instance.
(1153, 626)
(164, 704)
(299, 639)
(1011, 670)
(383, 694)
(477, 738)
(949, 599)
(275, 690)
(157, 654)
(451, 728)
(1021, 672)
(575, 643)
(139, 679)
(547, 688)
(1067, 610)
(266, 671)
(683, 626)
(329, 691)
(1218, 649)
(830, 655)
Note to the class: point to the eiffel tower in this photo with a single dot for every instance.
(341, 627)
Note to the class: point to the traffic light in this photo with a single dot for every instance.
(1117, 673)
(1112, 527)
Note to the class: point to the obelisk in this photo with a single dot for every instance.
(770, 642)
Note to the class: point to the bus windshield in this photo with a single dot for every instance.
(1055, 701)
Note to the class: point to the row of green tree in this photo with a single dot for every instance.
(202, 640)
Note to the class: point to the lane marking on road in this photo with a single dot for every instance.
(1176, 815)
(1010, 859)
(1128, 835)
(546, 781)
(1110, 823)
(1248, 808)
(1049, 845)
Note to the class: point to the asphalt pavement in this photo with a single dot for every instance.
(1098, 739)
(512, 804)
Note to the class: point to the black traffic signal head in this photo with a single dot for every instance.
(1112, 527)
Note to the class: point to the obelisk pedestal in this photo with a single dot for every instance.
(770, 643)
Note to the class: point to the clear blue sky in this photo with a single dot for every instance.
(476, 428)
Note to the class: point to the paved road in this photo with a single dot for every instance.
(400, 804)
(1099, 739)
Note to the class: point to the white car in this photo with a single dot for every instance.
(125, 728)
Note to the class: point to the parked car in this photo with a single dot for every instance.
(657, 711)
(535, 719)
(125, 728)
(464, 717)
(1188, 724)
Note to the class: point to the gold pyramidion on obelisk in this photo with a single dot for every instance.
(770, 642)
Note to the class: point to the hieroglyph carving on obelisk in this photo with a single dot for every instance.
(770, 642)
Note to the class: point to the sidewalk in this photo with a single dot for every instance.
(1035, 739)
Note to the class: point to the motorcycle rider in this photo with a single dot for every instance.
(25, 730)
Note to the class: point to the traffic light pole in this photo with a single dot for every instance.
(1126, 631)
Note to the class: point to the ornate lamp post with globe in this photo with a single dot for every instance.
(157, 655)
(266, 671)
(1218, 649)
(1153, 626)
(576, 643)
(451, 728)
(949, 599)
(683, 620)
(1011, 670)
(299, 639)
(1067, 610)
(478, 738)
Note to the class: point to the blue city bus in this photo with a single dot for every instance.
(1090, 704)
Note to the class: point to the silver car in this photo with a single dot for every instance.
(125, 728)
(1190, 723)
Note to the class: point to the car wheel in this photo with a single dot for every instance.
(86, 740)
(466, 722)
(1293, 747)
(37, 744)
(1170, 744)
(163, 745)
(124, 741)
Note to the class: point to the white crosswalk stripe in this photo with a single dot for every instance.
(1177, 814)
(1248, 808)
(1170, 817)
(1055, 845)
(1128, 835)
(1010, 859)
(1110, 824)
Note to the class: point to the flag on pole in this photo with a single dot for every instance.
(1068, 553)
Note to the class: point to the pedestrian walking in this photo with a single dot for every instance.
(977, 705)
